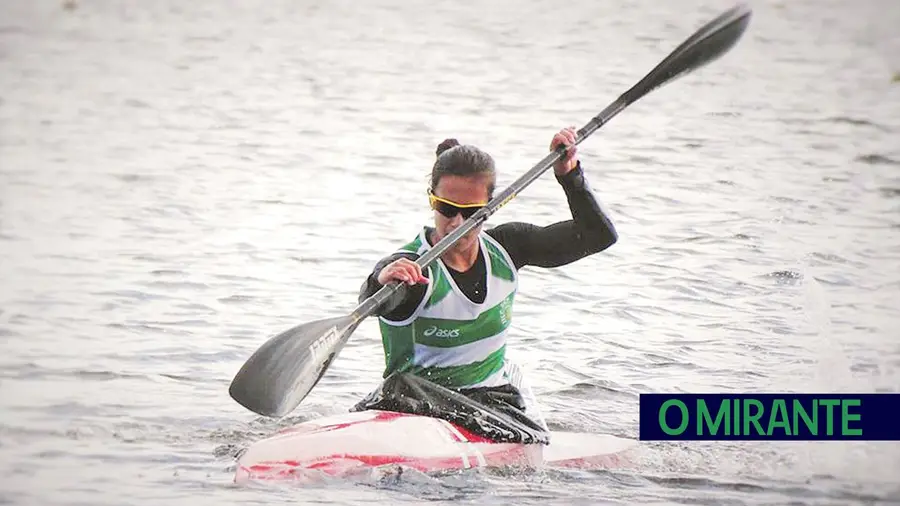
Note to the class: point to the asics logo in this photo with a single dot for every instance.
(436, 332)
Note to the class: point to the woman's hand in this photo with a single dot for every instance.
(403, 270)
(565, 136)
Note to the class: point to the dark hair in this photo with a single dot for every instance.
(454, 159)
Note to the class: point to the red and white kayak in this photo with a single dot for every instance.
(348, 444)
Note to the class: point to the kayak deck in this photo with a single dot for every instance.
(349, 443)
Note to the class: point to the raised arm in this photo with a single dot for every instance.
(589, 231)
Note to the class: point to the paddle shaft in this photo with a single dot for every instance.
(683, 59)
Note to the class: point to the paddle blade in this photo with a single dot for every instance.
(279, 375)
(707, 44)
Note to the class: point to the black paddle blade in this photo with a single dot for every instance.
(711, 41)
(277, 377)
(707, 44)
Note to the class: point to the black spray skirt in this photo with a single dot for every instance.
(497, 413)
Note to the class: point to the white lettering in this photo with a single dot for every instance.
(505, 312)
(436, 332)
(324, 342)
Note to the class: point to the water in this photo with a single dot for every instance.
(180, 181)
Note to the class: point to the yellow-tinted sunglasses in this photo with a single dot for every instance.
(450, 209)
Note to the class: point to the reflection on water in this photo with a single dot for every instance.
(178, 182)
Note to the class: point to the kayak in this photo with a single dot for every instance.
(454, 433)
(355, 443)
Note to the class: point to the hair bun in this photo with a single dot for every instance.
(447, 144)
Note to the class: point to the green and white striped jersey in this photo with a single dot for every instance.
(449, 339)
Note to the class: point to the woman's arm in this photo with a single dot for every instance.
(589, 231)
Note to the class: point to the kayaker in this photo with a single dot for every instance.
(449, 324)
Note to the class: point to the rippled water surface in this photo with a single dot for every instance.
(179, 181)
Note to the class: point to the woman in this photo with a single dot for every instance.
(449, 325)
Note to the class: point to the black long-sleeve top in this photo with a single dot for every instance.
(589, 231)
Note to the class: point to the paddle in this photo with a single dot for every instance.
(279, 375)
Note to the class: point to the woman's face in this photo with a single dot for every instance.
(455, 191)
